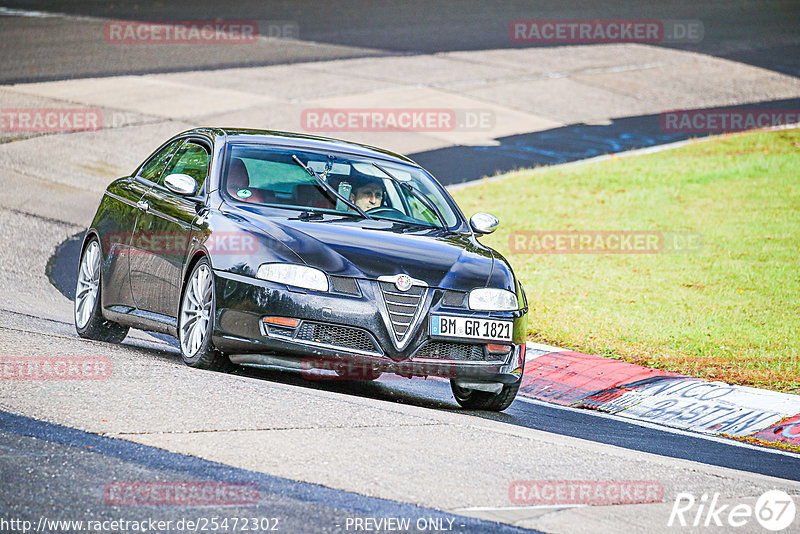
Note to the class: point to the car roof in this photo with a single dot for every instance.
(245, 135)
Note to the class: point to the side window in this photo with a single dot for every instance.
(155, 165)
(191, 159)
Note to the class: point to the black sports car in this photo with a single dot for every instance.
(266, 248)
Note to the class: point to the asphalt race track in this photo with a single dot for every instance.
(82, 463)
(757, 33)
(323, 453)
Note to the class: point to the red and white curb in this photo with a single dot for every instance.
(632, 391)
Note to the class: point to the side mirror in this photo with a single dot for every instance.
(181, 184)
(484, 223)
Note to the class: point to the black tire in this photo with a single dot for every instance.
(205, 356)
(473, 399)
(96, 327)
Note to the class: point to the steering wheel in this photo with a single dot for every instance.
(386, 211)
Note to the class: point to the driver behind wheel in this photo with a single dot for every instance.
(367, 195)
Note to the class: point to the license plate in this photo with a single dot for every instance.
(467, 327)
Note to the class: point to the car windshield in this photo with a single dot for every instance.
(274, 176)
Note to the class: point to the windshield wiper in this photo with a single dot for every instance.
(310, 214)
(315, 215)
(418, 195)
(328, 187)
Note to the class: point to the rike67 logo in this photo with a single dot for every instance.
(774, 510)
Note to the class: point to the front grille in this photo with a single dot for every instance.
(444, 350)
(338, 336)
(402, 306)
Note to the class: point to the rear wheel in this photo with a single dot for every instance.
(196, 321)
(474, 399)
(89, 320)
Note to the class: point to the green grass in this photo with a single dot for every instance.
(730, 311)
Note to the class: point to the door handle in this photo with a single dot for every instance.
(143, 205)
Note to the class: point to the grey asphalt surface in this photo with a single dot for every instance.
(53, 47)
(583, 424)
(53, 468)
(61, 474)
(760, 33)
(412, 440)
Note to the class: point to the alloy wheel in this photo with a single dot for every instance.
(196, 310)
(88, 284)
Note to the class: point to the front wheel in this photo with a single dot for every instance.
(89, 320)
(474, 399)
(196, 321)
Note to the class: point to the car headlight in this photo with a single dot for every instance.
(491, 299)
(294, 275)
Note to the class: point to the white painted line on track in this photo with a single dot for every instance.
(545, 348)
(653, 426)
(515, 508)
(10, 12)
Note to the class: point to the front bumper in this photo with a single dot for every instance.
(349, 333)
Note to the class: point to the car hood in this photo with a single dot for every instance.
(373, 248)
